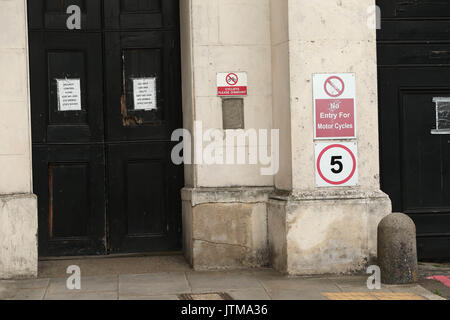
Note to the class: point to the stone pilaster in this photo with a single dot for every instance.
(323, 230)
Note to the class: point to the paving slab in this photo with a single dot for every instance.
(82, 296)
(300, 284)
(28, 294)
(88, 284)
(281, 294)
(249, 294)
(153, 284)
(435, 269)
(251, 284)
(372, 296)
(110, 265)
(25, 284)
(416, 289)
(136, 298)
(356, 284)
(219, 281)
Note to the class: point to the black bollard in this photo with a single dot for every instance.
(397, 249)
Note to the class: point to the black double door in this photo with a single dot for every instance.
(105, 100)
(414, 68)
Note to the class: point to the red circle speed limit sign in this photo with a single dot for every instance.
(336, 164)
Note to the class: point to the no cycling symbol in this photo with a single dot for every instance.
(334, 86)
(232, 79)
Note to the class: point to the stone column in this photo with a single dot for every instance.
(224, 205)
(18, 206)
(323, 230)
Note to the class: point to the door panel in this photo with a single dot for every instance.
(426, 168)
(69, 183)
(414, 9)
(143, 216)
(414, 67)
(55, 56)
(140, 14)
(138, 55)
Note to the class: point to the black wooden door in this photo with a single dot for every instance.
(101, 160)
(414, 67)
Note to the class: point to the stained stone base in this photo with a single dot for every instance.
(18, 236)
(225, 228)
(320, 233)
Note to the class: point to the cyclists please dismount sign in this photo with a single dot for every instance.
(231, 84)
(336, 164)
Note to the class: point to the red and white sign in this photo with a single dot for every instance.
(334, 106)
(336, 164)
(232, 84)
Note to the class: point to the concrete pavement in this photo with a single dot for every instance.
(428, 270)
(120, 282)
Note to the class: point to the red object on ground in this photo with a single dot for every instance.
(443, 279)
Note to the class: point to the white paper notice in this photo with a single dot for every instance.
(144, 94)
(69, 94)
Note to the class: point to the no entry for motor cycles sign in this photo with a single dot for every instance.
(231, 84)
(334, 106)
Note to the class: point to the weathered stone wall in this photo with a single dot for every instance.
(18, 213)
(15, 153)
(225, 228)
(324, 235)
(225, 36)
(18, 236)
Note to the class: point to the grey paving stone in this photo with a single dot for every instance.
(29, 294)
(240, 285)
(416, 289)
(88, 284)
(249, 294)
(104, 265)
(300, 284)
(82, 296)
(153, 284)
(25, 284)
(296, 295)
(7, 293)
(267, 274)
(163, 297)
(356, 284)
(363, 289)
(222, 281)
(350, 281)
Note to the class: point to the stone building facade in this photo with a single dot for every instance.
(232, 216)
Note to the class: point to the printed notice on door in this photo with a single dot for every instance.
(144, 94)
(69, 94)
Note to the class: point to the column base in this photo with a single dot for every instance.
(18, 236)
(225, 228)
(325, 232)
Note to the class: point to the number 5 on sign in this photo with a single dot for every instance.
(336, 164)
